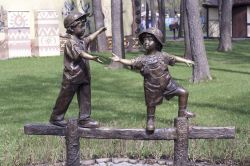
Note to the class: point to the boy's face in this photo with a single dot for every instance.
(79, 28)
(149, 43)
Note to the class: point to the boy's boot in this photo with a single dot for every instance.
(150, 126)
(183, 112)
(58, 120)
(57, 117)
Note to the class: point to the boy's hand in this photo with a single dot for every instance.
(97, 59)
(103, 29)
(115, 58)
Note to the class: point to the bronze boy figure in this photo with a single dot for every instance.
(158, 83)
(76, 73)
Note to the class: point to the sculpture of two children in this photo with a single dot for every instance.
(153, 66)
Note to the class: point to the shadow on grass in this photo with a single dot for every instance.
(26, 98)
(229, 105)
(236, 56)
(230, 71)
(31, 98)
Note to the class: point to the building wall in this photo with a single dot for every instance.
(248, 21)
(240, 23)
(33, 5)
(213, 23)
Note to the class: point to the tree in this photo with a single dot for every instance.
(147, 15)
(161, 21)
(136, 25)
(187, 53)
(201, 70)
(136, 16)
(102, 44)
(225, 15)
(68, 7)
(117, 31)
(172, 6)
(180, 29)
(153, 7)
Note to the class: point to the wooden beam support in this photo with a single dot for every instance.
(196, 132)
(128, 134)
(44, 129)
(133, 134)
(72, 143)
(181, 142)
(102, 133)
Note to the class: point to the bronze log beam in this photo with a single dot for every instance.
(195, 132)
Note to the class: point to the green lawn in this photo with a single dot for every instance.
(29, 88)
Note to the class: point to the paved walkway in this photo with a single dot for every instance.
(132, 162)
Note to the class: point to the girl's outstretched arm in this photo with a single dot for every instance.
(116, 58)
(182, 60)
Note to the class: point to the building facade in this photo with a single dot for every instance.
(240, 18)
(36, 25)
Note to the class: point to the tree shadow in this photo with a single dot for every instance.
(25, 95)
(241, 107)
(230, 71)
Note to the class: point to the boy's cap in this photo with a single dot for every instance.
(153, 31)
(72, 17)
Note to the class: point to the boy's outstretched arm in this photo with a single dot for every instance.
(96, 33)
(90, 57)
(182, 60)
(116, 58)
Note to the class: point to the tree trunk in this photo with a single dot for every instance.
(225, 16)
(147, 15)
(102, 43)
(117, 31)
(136, 25)
(153, 6)
(187, 53)
(136, 16)
(161, 21)
(201, 70)
(180, 33)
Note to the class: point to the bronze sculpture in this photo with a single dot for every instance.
(158, 83)
(76, 73)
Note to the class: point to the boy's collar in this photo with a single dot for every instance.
(73, 37)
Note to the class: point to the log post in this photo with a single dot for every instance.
(72, 143)
(181, 142)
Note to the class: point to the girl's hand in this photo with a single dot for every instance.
(115, 58)
(189, 62)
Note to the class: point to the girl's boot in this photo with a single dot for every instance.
(150, 126)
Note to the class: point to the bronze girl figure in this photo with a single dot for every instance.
(158, 83)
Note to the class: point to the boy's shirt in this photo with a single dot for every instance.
(76, 68)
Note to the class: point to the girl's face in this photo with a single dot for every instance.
(79, 29)
(149, 43)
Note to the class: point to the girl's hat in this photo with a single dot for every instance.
(153, 31)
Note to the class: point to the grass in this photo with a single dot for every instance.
(29, 88)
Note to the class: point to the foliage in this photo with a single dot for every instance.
(29, 87)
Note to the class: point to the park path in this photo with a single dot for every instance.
(132, 162)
